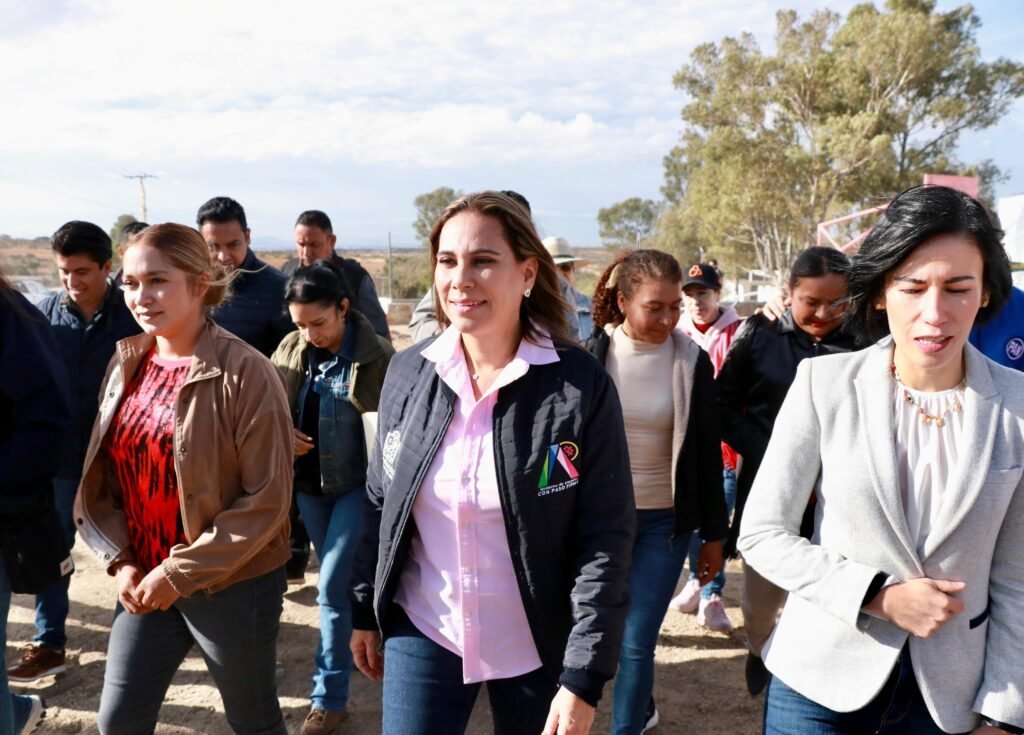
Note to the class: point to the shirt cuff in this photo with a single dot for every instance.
(584, 684)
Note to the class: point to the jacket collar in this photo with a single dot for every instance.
(875, 388)
(205, 362)
(450, 361)
(113, 292)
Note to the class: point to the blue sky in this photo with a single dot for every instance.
(356, 110)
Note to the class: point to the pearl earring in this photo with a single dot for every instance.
(527, 292)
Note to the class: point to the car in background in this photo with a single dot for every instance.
(30, 288)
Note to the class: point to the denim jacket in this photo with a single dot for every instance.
(349, 385)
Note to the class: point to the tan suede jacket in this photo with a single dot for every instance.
(232, 459)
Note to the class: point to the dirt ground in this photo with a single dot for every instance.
(699, 684)
(699, 679)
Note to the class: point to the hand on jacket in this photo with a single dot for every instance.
(989, 730)
(301, 444)
(569, 715)
(155, 592)
(918, 606)
(128, 577)
(365, 647)
(710, 561)
(775, 308)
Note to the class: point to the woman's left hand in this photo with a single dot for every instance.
(710, 562)
(155, 592)
(989, 730)
(569, 715)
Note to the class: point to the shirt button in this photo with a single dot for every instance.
(465, 479)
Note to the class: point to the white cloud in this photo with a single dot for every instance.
(425, 84)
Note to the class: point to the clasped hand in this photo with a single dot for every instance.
(919, 606)
(140, 593)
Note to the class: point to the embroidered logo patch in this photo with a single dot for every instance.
(389, 452)
(559, 462)
(1015, 348)
(696, 272)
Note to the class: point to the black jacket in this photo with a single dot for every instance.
(698, 496)
(752, 384)
(255, 311)
(34, 404)
(571, 542)
(85, 350)
(364, 299)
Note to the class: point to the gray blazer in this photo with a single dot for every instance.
(835, 437)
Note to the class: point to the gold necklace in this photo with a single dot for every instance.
(955, 405)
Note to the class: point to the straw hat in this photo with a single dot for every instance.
(560, 250)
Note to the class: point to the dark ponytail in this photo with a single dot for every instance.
(322, 282)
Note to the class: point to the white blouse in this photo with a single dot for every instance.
(926, 455)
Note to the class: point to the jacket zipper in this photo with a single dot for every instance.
(403, 521)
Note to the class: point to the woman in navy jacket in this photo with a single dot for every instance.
(542, 516)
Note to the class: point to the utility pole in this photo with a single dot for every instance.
(391, 270)
(142, 191)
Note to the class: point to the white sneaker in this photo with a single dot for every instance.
(711, 614)
(35, 715)
(688, 598)
(651, 717)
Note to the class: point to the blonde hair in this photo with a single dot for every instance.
(185, 249)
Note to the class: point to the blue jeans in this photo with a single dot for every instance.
(897, 710)
(14, 708)
(236, 631)
(424, 693)
(717, 584)
(335, 526)
(657, 562)
(52, 604)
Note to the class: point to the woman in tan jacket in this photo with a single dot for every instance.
(185, 494)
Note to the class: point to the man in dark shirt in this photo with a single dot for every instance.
(88, 318)
(255, 310)
(315, 240)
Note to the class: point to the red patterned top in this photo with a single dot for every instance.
(141, 447)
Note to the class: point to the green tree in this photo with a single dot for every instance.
(429, 207)
(120, 224)
(626, 223)
(843, 114)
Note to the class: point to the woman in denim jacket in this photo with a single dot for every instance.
(333, 368)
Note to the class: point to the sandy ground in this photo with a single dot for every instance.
(699, 680)
(699, 684)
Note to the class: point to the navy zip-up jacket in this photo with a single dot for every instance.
(34, 408)
(571, 541)
(85, 349)
(255, 310)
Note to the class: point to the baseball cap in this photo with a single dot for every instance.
(704, 275)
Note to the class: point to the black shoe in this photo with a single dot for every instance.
(757, 675)
(295, 568)
(650, 716)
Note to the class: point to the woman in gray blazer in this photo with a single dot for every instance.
(906, 608)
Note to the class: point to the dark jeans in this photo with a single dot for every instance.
(236, 631)
(52, 604)
(14, 708)
(897, 710)
(657, 561)
(424, 693)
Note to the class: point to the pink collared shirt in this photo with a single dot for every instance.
(459, 586)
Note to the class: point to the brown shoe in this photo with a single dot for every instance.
(322, 722)
(37, 661)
